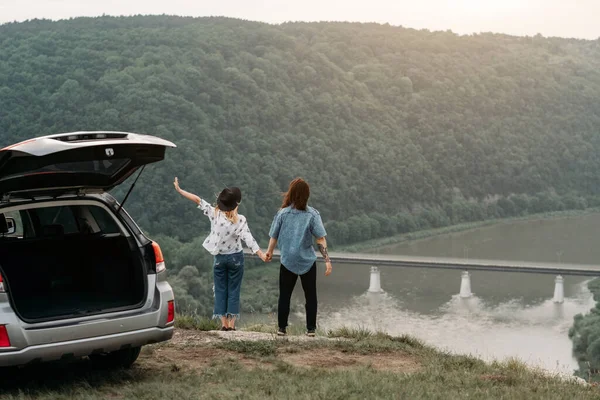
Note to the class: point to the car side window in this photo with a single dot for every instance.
(16, 216)
(57, 216)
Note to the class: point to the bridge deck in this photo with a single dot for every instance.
(387, 260)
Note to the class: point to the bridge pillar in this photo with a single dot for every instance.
(375, 281)
(559, 290)
(465, 285)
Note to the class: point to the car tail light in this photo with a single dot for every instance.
(1, 284)
(171, 313)
(158, 257)
(4, 340)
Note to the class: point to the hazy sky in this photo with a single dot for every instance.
(566, 18)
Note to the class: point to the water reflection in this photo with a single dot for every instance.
(569, 239)
(535, 333)
(428, 290)
(510, 315)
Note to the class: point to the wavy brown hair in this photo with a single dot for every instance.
(297, 194)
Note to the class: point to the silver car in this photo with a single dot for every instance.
(77, 275)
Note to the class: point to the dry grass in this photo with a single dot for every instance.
(198, 365)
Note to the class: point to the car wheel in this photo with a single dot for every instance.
(117, 359)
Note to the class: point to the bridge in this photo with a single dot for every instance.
(465, 265)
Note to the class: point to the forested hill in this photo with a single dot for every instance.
(395, 127)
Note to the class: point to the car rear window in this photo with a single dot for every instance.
(56, 221)
(105, 222)
(51, 218)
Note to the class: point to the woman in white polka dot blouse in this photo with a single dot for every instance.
(227, 230)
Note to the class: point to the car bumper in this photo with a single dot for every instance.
(84, 347)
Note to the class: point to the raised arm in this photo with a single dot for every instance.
(185, 194)
(322, 243)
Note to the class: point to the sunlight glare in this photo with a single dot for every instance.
(487, 7)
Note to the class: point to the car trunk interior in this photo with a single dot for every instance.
(56, 278)
(56, 275)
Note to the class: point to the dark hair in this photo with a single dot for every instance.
(297, 194)
(229, 198)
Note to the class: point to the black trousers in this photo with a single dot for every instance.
(287, 281)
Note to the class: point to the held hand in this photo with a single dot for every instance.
(261, 255)
(176, 184)
(328, 268)
(268, 257)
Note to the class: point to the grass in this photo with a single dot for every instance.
(361, 333)
(292, 330)
(262, 328)
(439, 375)
(260, 348)
(196, 322)
(350, 333)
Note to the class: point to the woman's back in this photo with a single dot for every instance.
(294, 228)
(295, 231)
(226, 233)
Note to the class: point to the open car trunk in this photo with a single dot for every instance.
(71, 162)
(70, 261)
(55, 279)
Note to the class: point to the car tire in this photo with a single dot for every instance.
(117, 359)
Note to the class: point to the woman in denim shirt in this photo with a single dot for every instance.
(227, 230)
(294, 230)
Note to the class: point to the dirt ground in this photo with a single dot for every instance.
(196, 350)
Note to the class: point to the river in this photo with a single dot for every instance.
(510, 314)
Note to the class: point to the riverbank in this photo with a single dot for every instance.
(371, 245)
(344, 364)
(584, 334)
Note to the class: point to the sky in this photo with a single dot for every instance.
(564, 18)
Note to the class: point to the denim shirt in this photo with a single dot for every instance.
(295, 231)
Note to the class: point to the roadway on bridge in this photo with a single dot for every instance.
(388, 260)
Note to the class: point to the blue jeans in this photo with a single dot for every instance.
(228, 273)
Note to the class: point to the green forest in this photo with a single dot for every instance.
(585, 334)
(396, 129)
